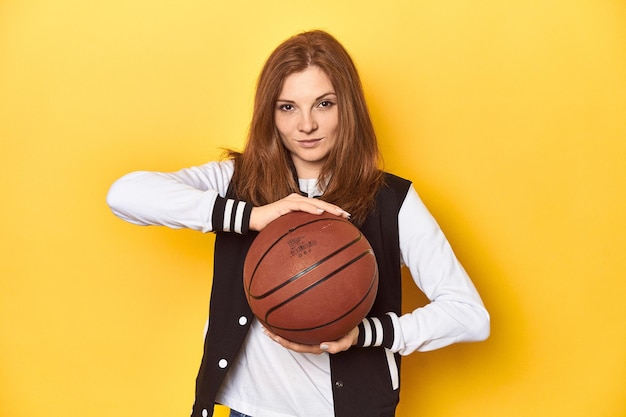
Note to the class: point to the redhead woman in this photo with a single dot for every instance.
(311, 147)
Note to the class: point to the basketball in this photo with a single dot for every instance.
(310, 278)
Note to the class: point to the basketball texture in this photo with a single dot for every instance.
(310, 278)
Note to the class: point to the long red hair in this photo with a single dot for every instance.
(264, 171)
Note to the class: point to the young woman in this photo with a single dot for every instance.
(311, 147)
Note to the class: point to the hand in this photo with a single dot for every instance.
(339, 345)
(264, 215)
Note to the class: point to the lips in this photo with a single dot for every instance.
(309, 143)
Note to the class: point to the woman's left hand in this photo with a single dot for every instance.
(336, 346)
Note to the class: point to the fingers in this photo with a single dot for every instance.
(337, 346)
(296, 347)
(296, 202)
(342, 344)
(264, 215)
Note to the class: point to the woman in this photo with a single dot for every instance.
(311, 147)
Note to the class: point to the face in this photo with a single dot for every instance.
(306, 117)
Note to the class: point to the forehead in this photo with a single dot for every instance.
(311, 81)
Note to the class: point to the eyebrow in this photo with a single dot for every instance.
(331, 93)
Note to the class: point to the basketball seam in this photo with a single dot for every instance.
(313, 285)
(300, 273)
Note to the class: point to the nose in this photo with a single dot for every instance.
(307, 122)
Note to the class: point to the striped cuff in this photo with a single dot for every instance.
(231, 216)
(376, 331)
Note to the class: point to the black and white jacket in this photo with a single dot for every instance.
(401, 231)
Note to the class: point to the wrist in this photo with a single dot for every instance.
(253, 223)
(231, 215)
(375, 331)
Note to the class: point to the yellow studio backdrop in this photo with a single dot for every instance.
(508, 116)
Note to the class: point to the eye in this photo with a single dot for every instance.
(326, 103)
(285, 107)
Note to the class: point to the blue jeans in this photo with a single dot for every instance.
(234, 413)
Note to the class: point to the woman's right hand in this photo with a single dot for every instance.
(264, 215)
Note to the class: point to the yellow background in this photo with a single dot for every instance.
(510, 117)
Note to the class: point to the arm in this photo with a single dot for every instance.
(191, 198)
(194, 198)
(455, 313)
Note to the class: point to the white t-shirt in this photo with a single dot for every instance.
(268, 380)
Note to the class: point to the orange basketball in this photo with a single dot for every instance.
(310, 278)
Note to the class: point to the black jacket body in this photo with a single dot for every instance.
(361, 377)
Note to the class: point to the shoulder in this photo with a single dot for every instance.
(394, 186)
(395, 180)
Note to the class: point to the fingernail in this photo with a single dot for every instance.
(324, 346)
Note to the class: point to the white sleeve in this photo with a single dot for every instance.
(191, 198)
(456, 312)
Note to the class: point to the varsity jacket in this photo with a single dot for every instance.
(365, 381)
